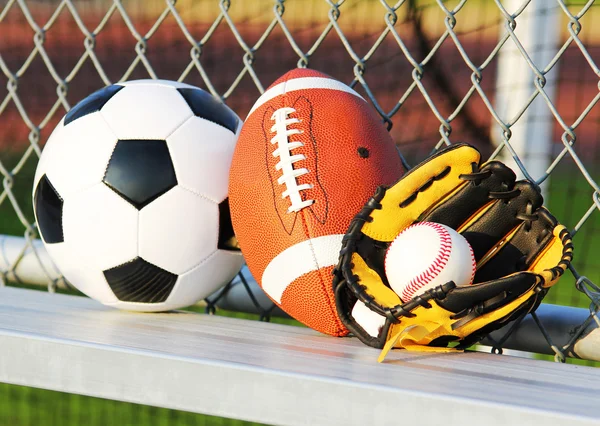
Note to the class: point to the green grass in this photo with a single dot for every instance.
(24, 406)
(21, 187)
(570, 196)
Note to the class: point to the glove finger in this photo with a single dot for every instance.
(501, 218)
(462, 206)
(521, 249)
(504, 290)
(428, 184)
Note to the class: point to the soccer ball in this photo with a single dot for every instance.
(130, 195)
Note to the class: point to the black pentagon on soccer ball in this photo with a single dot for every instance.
(140, 171)
(48, 206)
(227, 239)
(206, 106)
(140, 281)
(92, 103)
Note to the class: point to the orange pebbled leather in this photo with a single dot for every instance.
(348, 153)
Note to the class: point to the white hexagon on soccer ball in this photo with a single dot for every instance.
(73, 162)
(98, 214)
(129, 120)
(189, 238)
(206, 156)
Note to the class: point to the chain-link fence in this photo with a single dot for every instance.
(517, 79)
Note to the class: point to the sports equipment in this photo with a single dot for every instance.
(310, 154)
(520, 248)
(130, 195)
(426, 255)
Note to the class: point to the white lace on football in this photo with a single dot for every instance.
(289, 174)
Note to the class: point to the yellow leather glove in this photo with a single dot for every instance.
(520, 248)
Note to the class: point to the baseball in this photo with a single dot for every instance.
(426, 255)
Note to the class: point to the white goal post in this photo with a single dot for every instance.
(528, 134)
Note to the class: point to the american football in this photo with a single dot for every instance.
(310, 154)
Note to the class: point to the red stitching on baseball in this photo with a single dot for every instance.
(473, 264)
(437, 265)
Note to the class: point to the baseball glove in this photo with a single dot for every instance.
(520, 248)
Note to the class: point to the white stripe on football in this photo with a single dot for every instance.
(301, 84)
(308, 256)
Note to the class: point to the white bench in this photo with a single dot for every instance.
(274, 373)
